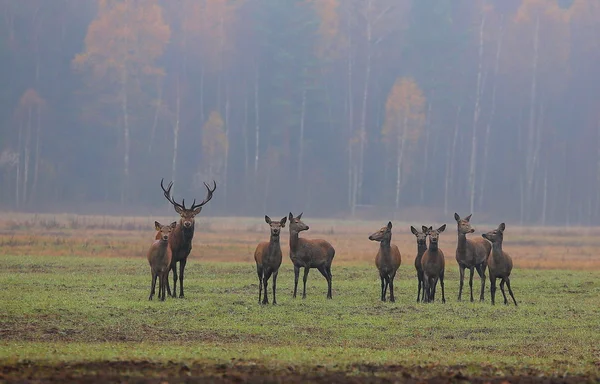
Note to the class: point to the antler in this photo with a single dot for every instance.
(209, 196)
(167, 193)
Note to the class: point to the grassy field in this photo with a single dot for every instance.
(74, 307)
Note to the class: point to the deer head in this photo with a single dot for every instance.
(275, 226)
(463, 225)
(164, 230)
(495, 236)
(421, 236)
(187, 214)
(434, 234)
(383, 234)
(296, 224)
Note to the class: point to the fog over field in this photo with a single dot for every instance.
(378, 109)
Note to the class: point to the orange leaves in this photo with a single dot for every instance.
(405, 108)
(329, 28)
(214, 140)
(124, 35)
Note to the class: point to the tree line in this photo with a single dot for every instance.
(347, 108)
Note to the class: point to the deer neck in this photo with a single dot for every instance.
(421, 248)
(497, 249)
(294, 239)
(385, 246)
(273, 243)
(461, 246)
(433, 247)
(186, 234)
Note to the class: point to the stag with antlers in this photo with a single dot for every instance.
(180, 239)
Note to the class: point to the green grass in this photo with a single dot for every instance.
(70, 309)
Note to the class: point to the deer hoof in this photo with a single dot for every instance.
(181, 296)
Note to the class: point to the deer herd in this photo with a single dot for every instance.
(173, 243)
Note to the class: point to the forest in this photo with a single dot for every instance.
(340, 108)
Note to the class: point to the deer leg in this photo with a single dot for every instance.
(510, 291)
(329, 281)
(306, 270)
(392, 299)
(462, 278)
(471, 270)
(481, 271)
(174, 268)
(493, 288)
(266, 276)
(323, 271)
(435, 281)
(296, 275)
(259, 272)
(442, 284)
(161, 287)
(275, 286)
(382, 286)
(419, 279)
(181, 268)
(425, 288)
(502, 290)
(152, 286)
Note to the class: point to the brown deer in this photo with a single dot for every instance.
(268, 258)
(499, 263)
(421, 248)
(159, 257)
(307, 253)
(388, 259)
(180, 239)
(433, 264)
(471, 254)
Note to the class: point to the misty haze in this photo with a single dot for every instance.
(340, 109)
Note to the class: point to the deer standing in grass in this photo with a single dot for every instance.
(315, 253)
(433, 264)
(180, 239)
(421, 248)
(471, 254)
(159, 257)
(388, 259)
(268, 259)
(499, 263)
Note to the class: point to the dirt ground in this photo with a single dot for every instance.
(248, 372)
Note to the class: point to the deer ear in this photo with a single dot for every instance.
(173, 224)
(389, 225)
(456, 217)
(502, 227)
(178, 209)
(197, 211)
(282, 221)
(468, 218)
(413, 230)
(157, 225)
(442, 228)
(267, 219)
(424, 229)
(300, 215)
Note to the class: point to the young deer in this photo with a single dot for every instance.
(268, 258)
(471, 254)
(433, 264)
(421, 248)
(180, 239)
(159, 257)
(388, 259)
(499, 263)
(307, 253)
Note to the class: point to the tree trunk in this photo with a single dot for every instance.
(226, 162)
(156, 111)
(450, 162)
(301, 143)
(473, 160)
(545, 197)
(176, 127)
(400, 154)
(245, 134)
(426, 157)
(27, 154)
(488, 128)
(350, 101)
(530, 163)
(202, 119)
(125, 111)
(257, 124)
(36, 166)
(363, 118)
